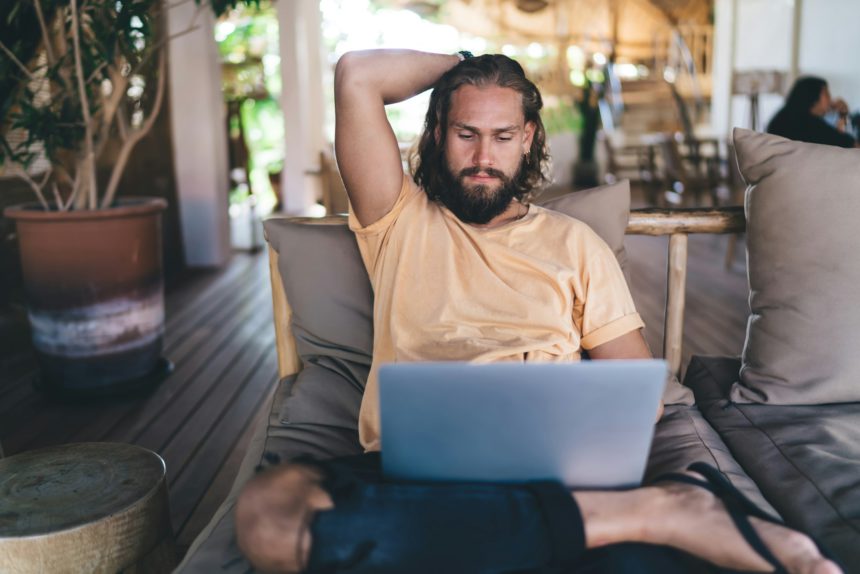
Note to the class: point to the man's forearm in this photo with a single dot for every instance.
(395, 75)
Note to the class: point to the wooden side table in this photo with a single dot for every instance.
(90, 507)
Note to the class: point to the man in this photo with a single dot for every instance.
(463, 268)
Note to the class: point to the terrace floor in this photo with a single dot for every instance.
(220, 339)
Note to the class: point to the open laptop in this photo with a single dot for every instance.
(586, 424)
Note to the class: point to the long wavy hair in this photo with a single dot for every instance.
(488, 70)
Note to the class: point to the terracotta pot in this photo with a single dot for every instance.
(94, 285)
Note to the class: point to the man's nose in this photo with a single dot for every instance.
(483, 155)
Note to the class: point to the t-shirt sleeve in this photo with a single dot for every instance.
(372, 238)
(605, 308)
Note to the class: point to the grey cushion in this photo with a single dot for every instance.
(803, 334)
(332, 303)
(805, 458)
(683, 437)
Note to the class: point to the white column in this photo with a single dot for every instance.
(301, 102)
(314, 83)
(830, 42)
(198, 129)
(724, 60)
(750, 35)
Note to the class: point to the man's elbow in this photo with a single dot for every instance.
(347, 72)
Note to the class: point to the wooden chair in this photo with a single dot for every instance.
(677, 224)
(334, 197)
(636, 163)
(683, 176)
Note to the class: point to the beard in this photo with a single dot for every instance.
(477, 204)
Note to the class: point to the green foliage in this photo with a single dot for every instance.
(562, 118)
(220, 7)
(45, 101)
(114, 52)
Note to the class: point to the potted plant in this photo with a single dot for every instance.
(81, 83)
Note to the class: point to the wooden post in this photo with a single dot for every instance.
(676, 282)
(288, 358)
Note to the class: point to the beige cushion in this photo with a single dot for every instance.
(803, 334)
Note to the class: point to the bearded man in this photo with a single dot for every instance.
(464, 268)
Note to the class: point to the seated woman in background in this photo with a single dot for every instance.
(801, 118)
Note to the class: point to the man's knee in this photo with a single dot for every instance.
(273, 515)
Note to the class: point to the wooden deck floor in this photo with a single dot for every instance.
(219, 337)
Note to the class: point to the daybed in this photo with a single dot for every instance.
(782, 422)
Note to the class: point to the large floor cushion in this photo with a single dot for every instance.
(682, 437)
(805, 458)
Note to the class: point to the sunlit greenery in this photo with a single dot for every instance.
(247, 40)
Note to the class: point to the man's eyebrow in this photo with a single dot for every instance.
(462, 126)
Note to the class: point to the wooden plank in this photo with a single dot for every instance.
(221, 485)
(134, 423)
(216, 295)
(182, 302)
(208, 389)
(13, 370)
(657, 221)
(673, 329)
(187, 488)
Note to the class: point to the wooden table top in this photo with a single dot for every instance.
(57, 488)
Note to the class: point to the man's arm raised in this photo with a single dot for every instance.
(367, 152)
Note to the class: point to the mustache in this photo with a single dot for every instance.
(473, 171)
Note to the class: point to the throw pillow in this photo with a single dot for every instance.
(803, 332)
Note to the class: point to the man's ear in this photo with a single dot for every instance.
(528, 136)
(437, 133)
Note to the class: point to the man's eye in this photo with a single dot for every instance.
(466, 136)
(505, 138)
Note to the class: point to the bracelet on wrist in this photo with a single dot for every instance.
(464, 55)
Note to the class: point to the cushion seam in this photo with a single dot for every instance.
(702, 440)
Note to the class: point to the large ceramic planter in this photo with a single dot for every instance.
(94, 285)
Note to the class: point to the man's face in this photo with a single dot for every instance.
(485, 142)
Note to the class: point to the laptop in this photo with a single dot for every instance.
(587, 425)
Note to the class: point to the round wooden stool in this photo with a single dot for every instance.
(91, 507)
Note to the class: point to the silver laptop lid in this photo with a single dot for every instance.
(587, 424)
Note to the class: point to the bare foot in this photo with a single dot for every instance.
(273, 516)
(694, 520)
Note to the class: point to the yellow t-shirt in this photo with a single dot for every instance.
(536, 289)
